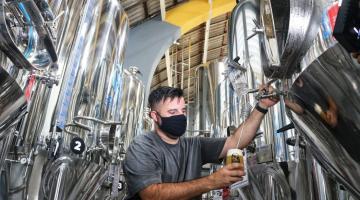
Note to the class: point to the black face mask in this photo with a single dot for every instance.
(174, 126)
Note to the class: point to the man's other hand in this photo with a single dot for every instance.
(227, 175)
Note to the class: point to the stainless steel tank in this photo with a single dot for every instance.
(329, 117)
(204, 103)
(267, 39)
(96, 66)
(228, 103)
(251, 57)
(217, 105)
(12, 108)
(92, 55)
(12, 102)
(132, 102)
(324, 104)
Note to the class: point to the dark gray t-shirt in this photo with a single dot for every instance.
(150, 160)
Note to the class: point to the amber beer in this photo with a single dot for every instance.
(234, 156)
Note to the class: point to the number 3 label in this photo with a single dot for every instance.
(77, 145)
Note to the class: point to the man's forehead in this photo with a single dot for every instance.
(172, 100)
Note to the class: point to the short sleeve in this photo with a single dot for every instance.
(211, 149)
(141, 167)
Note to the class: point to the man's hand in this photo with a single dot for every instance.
(226, 176)
(268, 102)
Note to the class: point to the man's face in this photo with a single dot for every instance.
(169, 107)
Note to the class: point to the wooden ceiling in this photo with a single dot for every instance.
(191, 43)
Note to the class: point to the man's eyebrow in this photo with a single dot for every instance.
(172, 110)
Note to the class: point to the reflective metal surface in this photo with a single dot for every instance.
(329, 118)
(28, 46)
(132, 102)
(324, 185)
(57, 178)
(34, 120)
(230, 109)
(12, 101)
(248, 47)
(218, 106)
(5, 144)
(270, 182)
(88, 182)
(12, 109)
(68, 17)
(97, 100)
(96, 65)
(204, 103)
(237, 23)
(296, 23)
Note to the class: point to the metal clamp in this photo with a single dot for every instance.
(273, 94)
(267, 85)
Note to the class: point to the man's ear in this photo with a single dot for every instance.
(153, 116)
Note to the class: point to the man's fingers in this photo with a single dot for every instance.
(233, 166)
(235, 170)
(237, 173)
(235, 179)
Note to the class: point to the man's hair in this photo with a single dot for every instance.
(162, 93)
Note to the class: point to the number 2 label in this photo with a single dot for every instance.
(77, 145)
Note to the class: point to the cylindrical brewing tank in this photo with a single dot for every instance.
(190, 116)
(93, 88)
(228, 104)
(90, 97)
(217, 104)
(251, 56)
(329, 117)
(132, 101)
(67, 25)
(204, 103)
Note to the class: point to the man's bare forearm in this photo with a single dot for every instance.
(184, 190)
(247, 130)
(250, 128)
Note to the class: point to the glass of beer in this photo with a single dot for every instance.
(234, 156)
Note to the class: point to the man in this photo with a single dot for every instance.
(163, 165)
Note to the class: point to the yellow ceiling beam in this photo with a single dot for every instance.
(195, 12)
